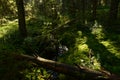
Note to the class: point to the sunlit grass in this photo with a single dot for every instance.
(81, 42)
(111, 48)
(97, 30)
(81, 54)
(83, 47)
(5, 36)
(8, 28)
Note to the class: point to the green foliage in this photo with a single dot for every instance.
(68, 39)
(90, 46)
(7, 9)
(89, 49)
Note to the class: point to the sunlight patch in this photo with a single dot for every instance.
(110, 47)
(81, 43)
(8, 28)
(97, 30)
(83, 47)
(81, 39)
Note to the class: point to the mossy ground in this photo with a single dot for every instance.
(94, 48)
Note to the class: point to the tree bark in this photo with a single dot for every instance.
(21, 18)
(113, 13)
(83, 10)
(78, 72)
(94, 8)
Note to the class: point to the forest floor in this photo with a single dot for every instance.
(94, 48)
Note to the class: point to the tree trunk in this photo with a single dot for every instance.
(83, 10)
(113, 13)
(21, 18)
(78, 72)
(94, 8)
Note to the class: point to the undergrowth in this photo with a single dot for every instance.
(94, 49)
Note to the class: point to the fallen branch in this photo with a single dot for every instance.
(80, 73)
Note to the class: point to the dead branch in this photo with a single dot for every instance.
(77, 72)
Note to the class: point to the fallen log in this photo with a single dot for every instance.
(80, 73)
